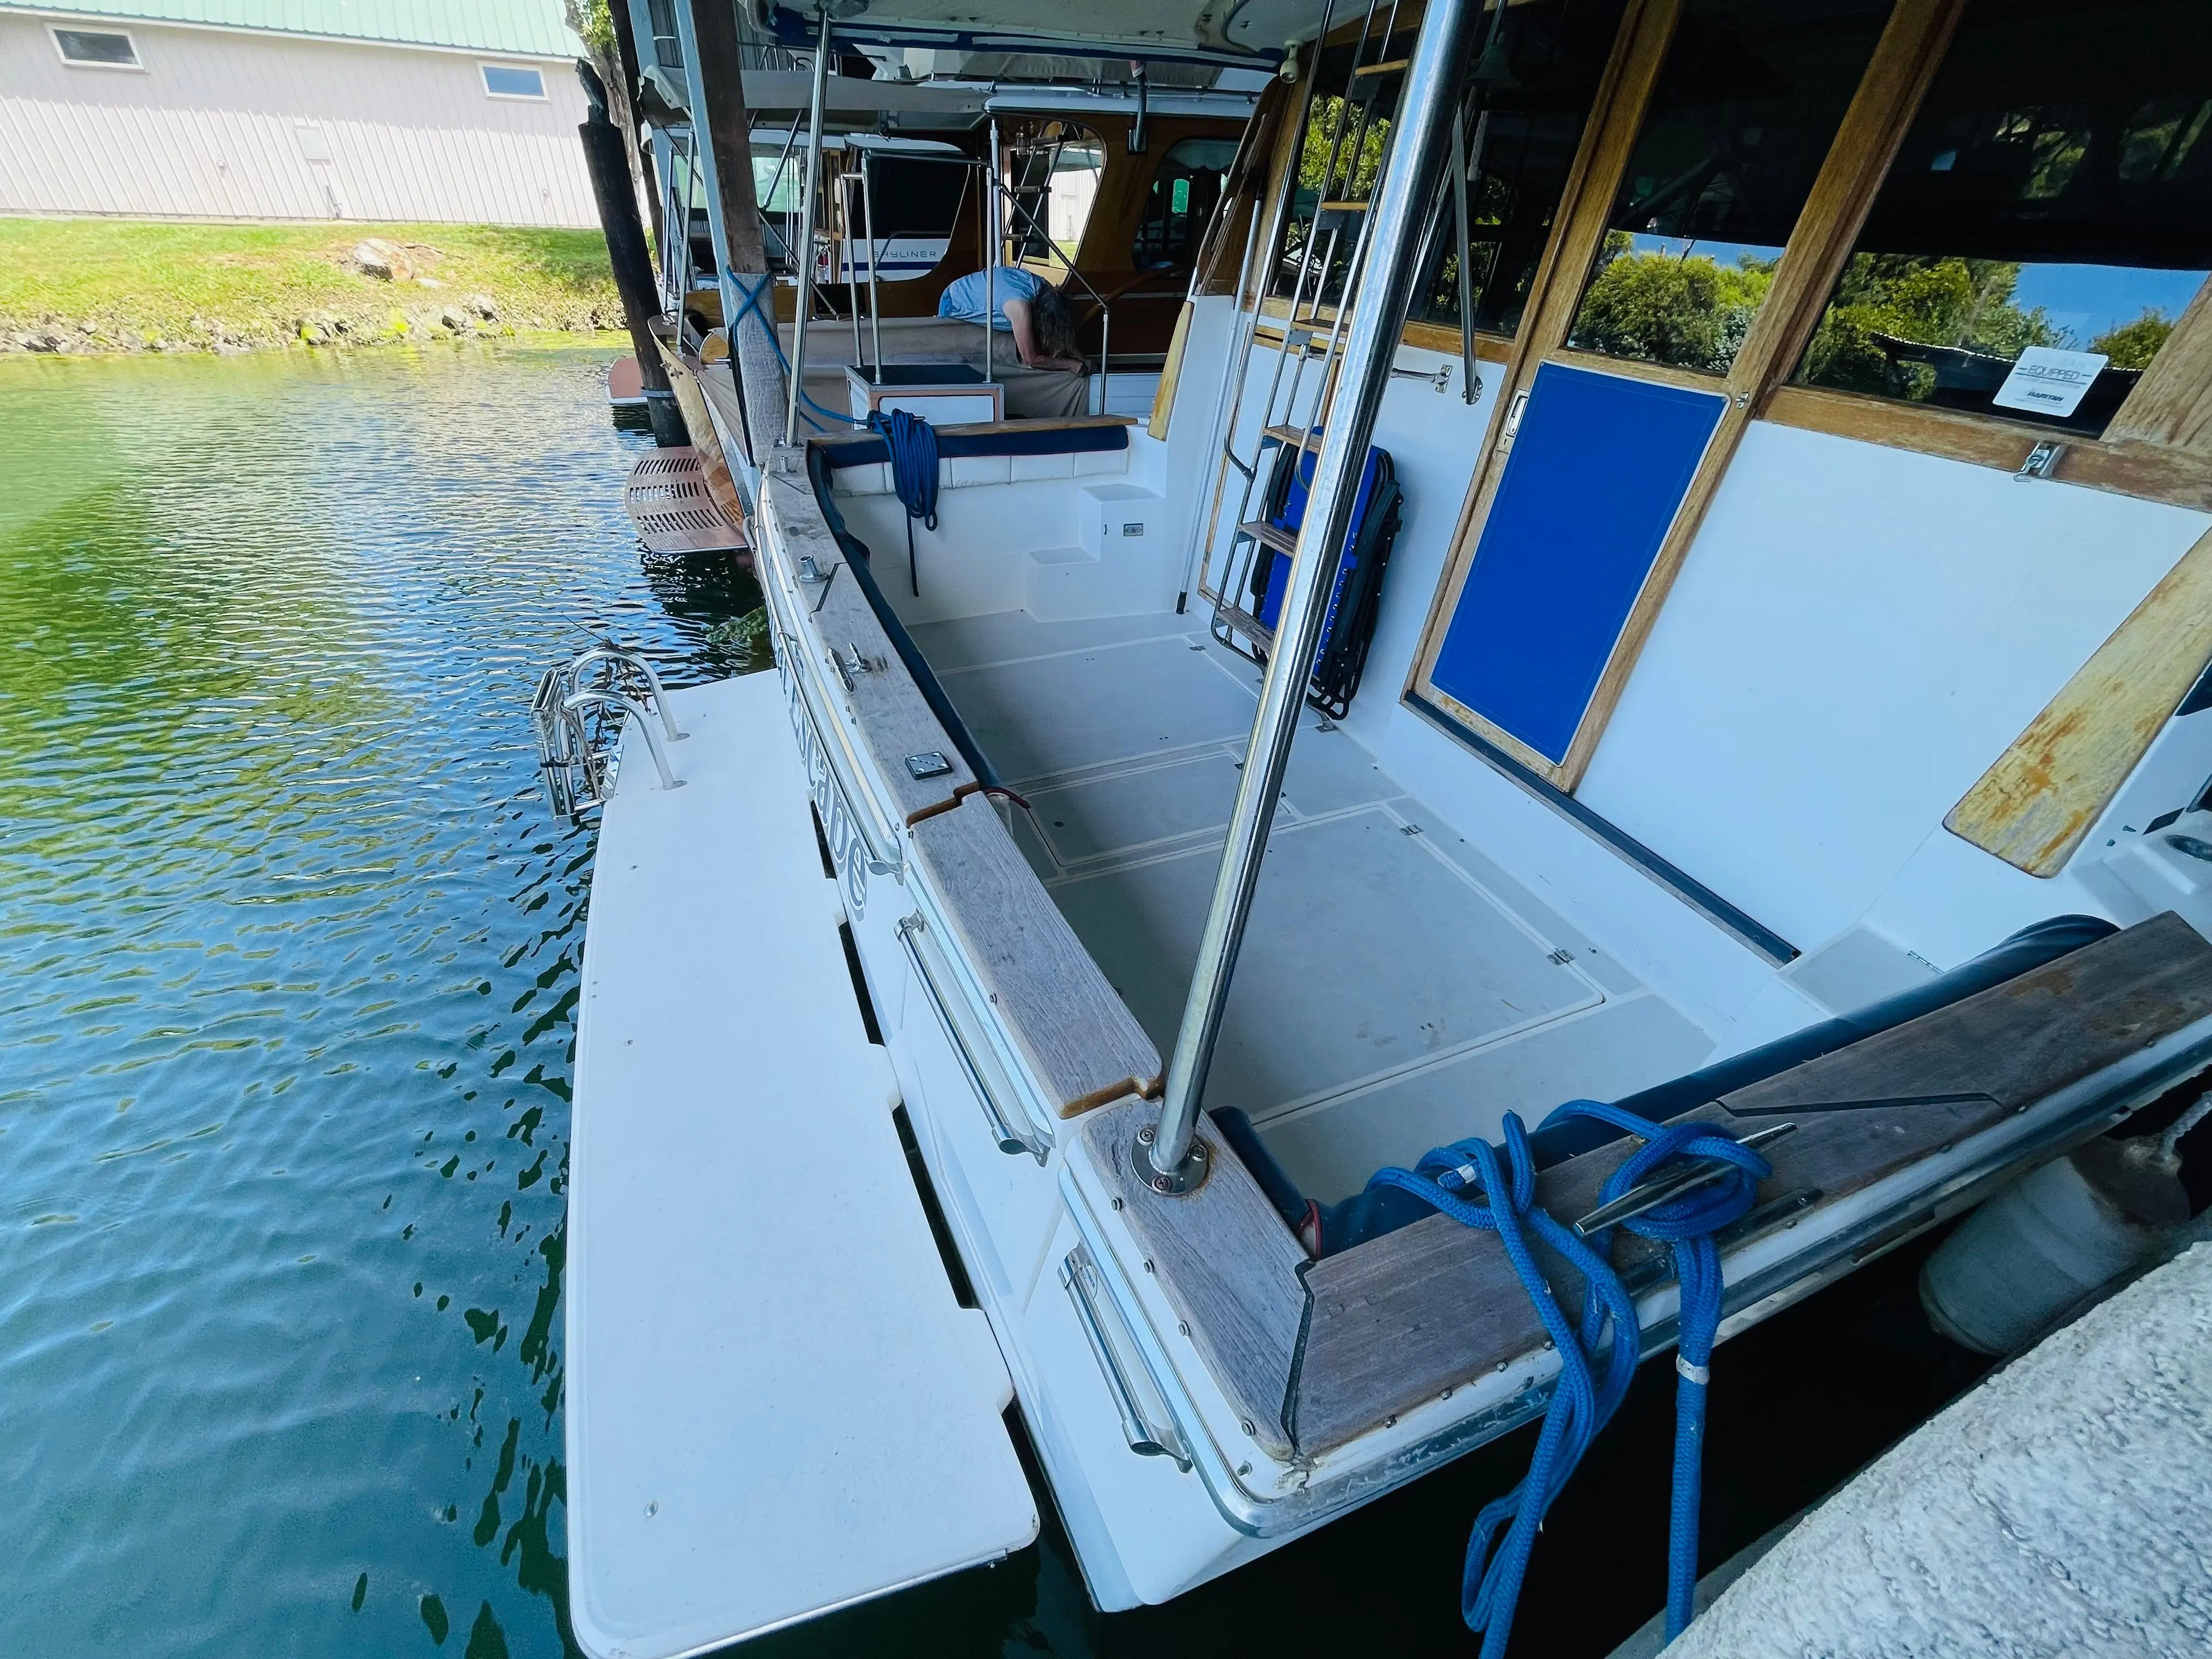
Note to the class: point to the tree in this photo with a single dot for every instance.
(1689, 311)
(1940, 301)
(2132, 345)
(592, 23)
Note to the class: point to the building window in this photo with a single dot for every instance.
(511, 80)
(1746, 108)
(2047, 218)
(97, 49)
(1180, 204)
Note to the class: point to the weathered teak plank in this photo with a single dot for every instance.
(1396, 1322)
(889, 716)
(1079, 1039)
(2040, 798)
(1225, 1261)
(2172, 402)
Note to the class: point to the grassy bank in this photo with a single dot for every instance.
(95, 285)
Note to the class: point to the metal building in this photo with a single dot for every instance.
(453, 110)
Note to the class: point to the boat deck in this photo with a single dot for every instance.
(1395, 990)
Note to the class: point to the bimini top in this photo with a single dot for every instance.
(1217, 30)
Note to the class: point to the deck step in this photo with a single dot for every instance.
(775, 1405)
(1259, 530)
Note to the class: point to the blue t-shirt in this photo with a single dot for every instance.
(963, 297)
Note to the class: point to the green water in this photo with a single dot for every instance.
(288, 956)
(287, 977)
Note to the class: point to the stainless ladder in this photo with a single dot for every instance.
(1310, 336)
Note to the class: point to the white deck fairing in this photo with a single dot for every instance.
(775, 1407)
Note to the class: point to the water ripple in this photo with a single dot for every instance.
(288, 978)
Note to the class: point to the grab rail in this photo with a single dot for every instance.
(1144, 1431)
(1009, 1140)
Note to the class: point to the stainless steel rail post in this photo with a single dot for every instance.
(803, 255)
(1168, 1158)
(868, 221)
(992, 239)
(1462, 162)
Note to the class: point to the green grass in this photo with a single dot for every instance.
(197, 286)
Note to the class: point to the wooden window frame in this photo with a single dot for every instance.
(1904, 60)
(2157, 447)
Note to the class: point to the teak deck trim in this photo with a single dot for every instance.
(1077, 1038)
(1396, 1322)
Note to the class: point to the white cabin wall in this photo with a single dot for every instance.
(208, 131)
(1856, 633)
(1433, 438)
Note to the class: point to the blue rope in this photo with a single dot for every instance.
(913, 445)
(752, 308)
(1597, 1357)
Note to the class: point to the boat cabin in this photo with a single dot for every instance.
(1655, 552)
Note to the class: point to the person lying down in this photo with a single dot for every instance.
(1044, 375)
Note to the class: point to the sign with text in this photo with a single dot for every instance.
(2048, 382)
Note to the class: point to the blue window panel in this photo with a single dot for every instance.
(1598, 468)
(507, 81)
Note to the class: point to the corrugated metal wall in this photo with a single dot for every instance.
(223, 124)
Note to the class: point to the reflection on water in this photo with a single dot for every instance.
(287, 975)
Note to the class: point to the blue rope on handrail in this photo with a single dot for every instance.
(913, 445)
(1597, 1357)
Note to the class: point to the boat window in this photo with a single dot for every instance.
(2047, 218)
(1053, 180)
(96, 49)
(777, 185)
(1745, 110)
(1186, 185)
(1552, 54)
(1339, 153)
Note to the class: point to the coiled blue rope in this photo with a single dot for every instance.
(1598, 1357)
(913, 445)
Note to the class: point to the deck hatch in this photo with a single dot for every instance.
(1598, 470)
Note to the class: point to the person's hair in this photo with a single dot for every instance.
(1053, 319)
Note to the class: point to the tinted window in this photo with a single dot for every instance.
(1185, 186)
(1747, 105)
(1340, 154)
(85, 46)
(1553, 52)
(2054, 193)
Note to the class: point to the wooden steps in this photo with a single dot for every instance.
(1268, 536)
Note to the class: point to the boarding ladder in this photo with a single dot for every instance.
(1307, 339)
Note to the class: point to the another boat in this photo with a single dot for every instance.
(1515, 659)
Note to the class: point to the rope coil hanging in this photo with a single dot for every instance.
(913, 445)
(1597, 1356)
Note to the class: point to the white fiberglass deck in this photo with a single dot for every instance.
(1395, 989)
(775, 1404)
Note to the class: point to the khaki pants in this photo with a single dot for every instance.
(1031, 393)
